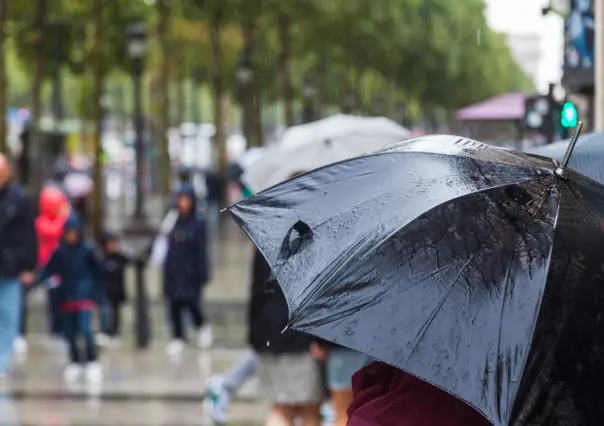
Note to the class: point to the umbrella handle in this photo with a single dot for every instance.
(561, 169)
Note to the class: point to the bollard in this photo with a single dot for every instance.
(143, 326)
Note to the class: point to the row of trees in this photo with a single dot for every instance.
(422, 57)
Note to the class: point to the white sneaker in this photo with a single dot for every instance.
(102, 340)
(216, 401)
(175, 348)
(206, 337)
(94, 372)
(328, 415)
(72, 373)
(20, 346)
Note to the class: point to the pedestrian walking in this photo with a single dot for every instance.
(114, 268)
(387, 396)
(340, 365)
(54, 209)
(18, 255)
(290, 377)
(186, 271)
(79, 267)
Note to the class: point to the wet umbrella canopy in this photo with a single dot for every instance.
(474, 268)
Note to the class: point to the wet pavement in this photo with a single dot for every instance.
(138, 388)
(128, 375)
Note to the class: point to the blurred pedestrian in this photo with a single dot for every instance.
(48, 195)
(114, 269)
(18, 255)
(79, 267)
(290, 377)
(340, 365)
(186, 271)
(54, 209)
(386, 396)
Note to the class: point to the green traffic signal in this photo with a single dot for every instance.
(569, 116)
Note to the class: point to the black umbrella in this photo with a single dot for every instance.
(478, 270)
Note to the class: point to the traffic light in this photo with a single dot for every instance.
(538, 113)
(569, 116)
(547, 116)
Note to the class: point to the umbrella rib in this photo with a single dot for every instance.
(436, 309)
(502, 310)
(549, 260)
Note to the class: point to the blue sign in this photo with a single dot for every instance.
(18, 115)
(579, 35)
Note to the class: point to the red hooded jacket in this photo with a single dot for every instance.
(54, 210)
(386, 396)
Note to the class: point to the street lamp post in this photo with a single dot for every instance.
(137, 233)
(308, 93)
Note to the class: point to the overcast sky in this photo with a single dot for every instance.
(524, 17)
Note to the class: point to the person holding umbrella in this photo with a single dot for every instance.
(472, 268)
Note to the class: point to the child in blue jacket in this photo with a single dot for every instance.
(76, 262)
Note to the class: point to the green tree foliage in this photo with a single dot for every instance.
(427, 53)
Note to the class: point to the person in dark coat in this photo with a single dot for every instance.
(186, 270)
(290, 377)
(114, 268)
(78, 265)
(18, 258)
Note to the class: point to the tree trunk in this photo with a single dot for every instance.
(35, 159)
(249, 92)
(3, 96)
(181, 99)
(98, 115)
(284, 61)
(163, 122)
(217, 86)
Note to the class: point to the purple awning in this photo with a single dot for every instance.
(505, 107)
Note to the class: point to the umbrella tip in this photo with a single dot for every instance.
(561, 169)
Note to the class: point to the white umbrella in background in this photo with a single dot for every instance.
(251, 156)
(78, 185)
(306, 147)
